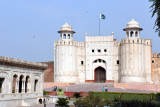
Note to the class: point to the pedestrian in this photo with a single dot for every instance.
(55, 88)
(52, 89)
(66, 88)
(106, 89)
(103, 89)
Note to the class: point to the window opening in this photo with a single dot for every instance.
(117, 61)
(99, 50)
(105, 50)
(1, 84)
(81, 62)
(35, 85)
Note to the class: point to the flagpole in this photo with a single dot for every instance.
(99, 25)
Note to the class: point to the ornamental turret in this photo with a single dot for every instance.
(132, 29)
(66, 32)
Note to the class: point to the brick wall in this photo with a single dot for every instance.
(49, 72)
(156, 67)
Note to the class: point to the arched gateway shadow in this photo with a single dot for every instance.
(100, 75)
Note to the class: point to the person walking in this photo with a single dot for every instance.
(103, 89)
(106, 89)
(66, 88)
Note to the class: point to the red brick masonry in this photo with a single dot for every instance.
(109, 81)
(70, 94)
(90, 81)
(138, 86)
(93, 81)
(51, 84)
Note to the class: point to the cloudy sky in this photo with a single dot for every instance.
(28, 28)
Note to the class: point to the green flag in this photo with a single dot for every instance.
(102, 16)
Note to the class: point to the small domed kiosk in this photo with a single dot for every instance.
(132, 29)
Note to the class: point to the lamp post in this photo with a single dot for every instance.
(44, 102)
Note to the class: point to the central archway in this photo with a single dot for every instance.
(100, 75)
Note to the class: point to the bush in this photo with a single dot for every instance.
(13, 91)
(60, 93)
(60, 90)
(136, 103)
(77, 95)
(62, 102)
(45, 92)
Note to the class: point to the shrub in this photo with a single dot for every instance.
(60, 90)
(77, 95)
(136, 103)
(45, 92)
(62, 102)
(13, 91)
(60, 93)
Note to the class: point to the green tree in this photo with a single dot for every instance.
(155, 8)
(62, 102)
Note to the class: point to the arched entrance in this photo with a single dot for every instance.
(100, 75)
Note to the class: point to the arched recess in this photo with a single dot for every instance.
(99, 61)
(4, 78)
(21, 80)
(27, 83)
(37, 83)
(100, 75)
(131, 34)
(14, 83)
(64, 36)
(40, 101)
(136, 34)
(69, 36)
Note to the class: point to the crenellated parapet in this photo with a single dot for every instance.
(136, 41)
(71, 43)
(117, 43)
(155, 55)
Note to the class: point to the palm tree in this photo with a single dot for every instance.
(156, 10)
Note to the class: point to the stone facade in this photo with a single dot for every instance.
(21, 82)
(103, 58)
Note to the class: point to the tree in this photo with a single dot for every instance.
(156, 10)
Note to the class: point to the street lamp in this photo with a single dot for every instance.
(44, 102)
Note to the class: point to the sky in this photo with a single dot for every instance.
(28, 28)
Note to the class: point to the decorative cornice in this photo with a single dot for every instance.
(22, 63)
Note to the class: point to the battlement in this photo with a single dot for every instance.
(155, 55)
(136, 41)
(71, 43)
(99, 38)
(117, 42)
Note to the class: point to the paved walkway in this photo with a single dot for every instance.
(92, 87)
(98, 88)
(41, 105)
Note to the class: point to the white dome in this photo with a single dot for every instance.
(133, 24)
(66, 27)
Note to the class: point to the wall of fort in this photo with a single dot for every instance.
(49, 72)
(156, 67)
(69, 56)
(135, 60)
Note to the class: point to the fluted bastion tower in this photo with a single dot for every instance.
(65, 56)
(135, 55)
(68, 54)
